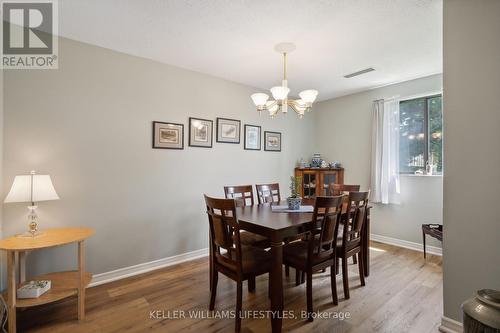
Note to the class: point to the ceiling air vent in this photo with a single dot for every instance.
(363, 71)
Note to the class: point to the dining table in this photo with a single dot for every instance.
(277, 226)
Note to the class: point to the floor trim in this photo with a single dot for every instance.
(406, 244)
(449, 325)
(125, 272)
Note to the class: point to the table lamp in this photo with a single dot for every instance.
(32, 188)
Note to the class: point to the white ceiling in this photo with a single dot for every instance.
(234, 39)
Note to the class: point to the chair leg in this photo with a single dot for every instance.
(423, 237)
(354, 260)
(337, 266)
(297, 277)
(345, 278)
(251, 284)
(213, 288)
(239, 296)
(309, 296)
(269, 288)
(333, 281)
(287, 270)
(361, 270)
(303, 279)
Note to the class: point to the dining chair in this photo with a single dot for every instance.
(317, 251)
(268, 193)
(338, 189)
(243, 196)
(228, 256)
(349, 243)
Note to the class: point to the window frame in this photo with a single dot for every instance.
(426, 129)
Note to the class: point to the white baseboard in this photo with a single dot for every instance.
(406, 244)
(125, 272)
(449, 325)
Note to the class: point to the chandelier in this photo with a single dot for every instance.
(280, 93)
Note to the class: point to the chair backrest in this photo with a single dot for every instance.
(356, 213)
(323, 228)
(242, 194)
(338, 189)
(224, 232)
(267, 193)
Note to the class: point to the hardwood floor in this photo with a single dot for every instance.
(402, 294)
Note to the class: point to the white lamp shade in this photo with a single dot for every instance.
(308, 96)
(279, 92)
(259, 99)
(43, 190)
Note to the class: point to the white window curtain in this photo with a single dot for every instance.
(385, 152)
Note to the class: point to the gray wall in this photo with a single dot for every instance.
(88, 125)
(343, 128)
(471, 150)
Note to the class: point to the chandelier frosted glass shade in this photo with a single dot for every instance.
(280, 93)
(308, 96)
(260, 99)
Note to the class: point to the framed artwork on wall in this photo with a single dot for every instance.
(228, 130)
(272, 141)
(252, 138)
(168, 135)
(200, 132)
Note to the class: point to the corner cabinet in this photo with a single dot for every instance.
(315, 181)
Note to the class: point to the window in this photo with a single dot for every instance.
(421, 135)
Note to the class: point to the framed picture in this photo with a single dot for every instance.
(252, 139)
(168, 135)
(200, 132)
(228, 130)
(272, 141)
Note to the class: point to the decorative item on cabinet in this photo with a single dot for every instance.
(315, 181)
(316, 160)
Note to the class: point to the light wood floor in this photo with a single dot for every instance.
(402, 294)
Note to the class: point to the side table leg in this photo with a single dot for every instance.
(11, 290)
(22, 266)
(81, 282)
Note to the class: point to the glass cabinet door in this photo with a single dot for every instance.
(309, 183)
(327, 179)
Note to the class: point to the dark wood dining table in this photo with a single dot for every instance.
(277, 226)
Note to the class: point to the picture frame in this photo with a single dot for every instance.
(252, 139)
(168, 135)
(228, 130)
(200, 132)
(272, 141)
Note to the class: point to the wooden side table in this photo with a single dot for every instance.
(63, 284)
(433, 232)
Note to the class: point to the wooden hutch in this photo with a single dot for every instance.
(315, 181)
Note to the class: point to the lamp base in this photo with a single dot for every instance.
(28, 234)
